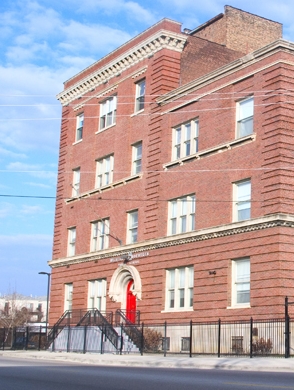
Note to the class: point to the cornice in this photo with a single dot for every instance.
(162, 39)
(267, 222)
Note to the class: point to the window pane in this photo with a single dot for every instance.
(183, 224)
(182, 297)
(172, 299)
(182, 277)
(246, 109)
(172, 278)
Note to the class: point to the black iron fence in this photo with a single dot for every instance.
(252, 338)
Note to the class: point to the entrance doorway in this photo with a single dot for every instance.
(131, 302)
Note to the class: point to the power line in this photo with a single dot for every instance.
(120, 199)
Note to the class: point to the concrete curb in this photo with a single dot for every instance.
(153, 361)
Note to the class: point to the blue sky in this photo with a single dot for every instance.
(43, 43)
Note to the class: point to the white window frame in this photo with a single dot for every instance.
(68, 293)
(71, 247)
(133, 222)
(241, 282)
(242, 200)
(179, 289)
(80, 127)
(185, 139)
(100, 235)
(137, 158)
(108, 112)
(245, 115)
(181, 214)
(76, 182)
(97, 294)
(104, 171)
(140, 95)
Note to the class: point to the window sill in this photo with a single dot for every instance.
(137, 113)
(105, 128)
(77, 142)
(106, 188)
(243, 306)
(179, 310)
(211, 151)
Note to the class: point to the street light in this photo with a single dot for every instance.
(48, 286)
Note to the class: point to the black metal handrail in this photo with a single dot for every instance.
(94, 317)
(58, 326)
(130, 329)
(129, 317)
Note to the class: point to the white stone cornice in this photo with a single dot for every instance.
(266, 222)
(163, 39)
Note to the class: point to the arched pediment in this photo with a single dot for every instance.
(121, 276)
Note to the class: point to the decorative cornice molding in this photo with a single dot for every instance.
(110, 89)
(271, 221)
(163, 39)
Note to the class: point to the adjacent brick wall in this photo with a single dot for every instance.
(241, 31)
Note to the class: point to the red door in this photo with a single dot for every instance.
(131, 303)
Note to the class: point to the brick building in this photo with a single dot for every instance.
(175, 184)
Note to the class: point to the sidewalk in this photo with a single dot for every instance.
(203, 362)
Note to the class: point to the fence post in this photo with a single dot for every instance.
(40, 333)
(121, 339)
(219, 338)
(287, 330)
(142, 339)
(165, 340)
(27, 338)
(251, 336)
(3, 338)
(53, 343)
(85, 339)
(190, 346)
(68, 340)
(101, 343)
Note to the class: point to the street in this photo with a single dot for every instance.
(34, 374)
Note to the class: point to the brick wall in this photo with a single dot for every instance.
(241, 31)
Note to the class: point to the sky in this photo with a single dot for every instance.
(43, 43)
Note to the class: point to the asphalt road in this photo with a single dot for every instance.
(30, 374)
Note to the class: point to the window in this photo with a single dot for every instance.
(140, 95)
(80, 125)
(182, 214)
(245, 117)
(104, 168)
(179, 288)
(137, 158)
(185, 139)
(185, 344)
(76, 182)
(241, 282)
(165, 343)
(242, 200)
(132, 227)
(108, 112)
(71, 241)
(97, 294)
(68, 297)
(100, 235)
(237, 344)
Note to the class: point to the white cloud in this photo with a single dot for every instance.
(31, 240)
(5, 209)
(80, 37)
(40, 185)
(31, 210)
(34, 170)
(8, 153)
(131, 10)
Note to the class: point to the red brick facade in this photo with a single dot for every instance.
(182, 87)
